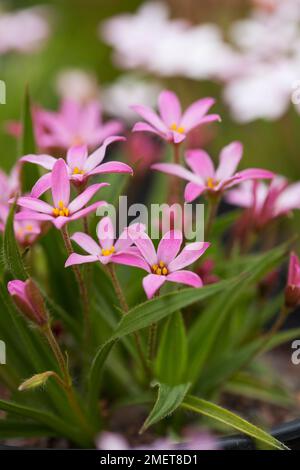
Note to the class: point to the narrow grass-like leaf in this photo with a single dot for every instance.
(222, 415)
(12, 257)
(168, 400)
(20, 429)
(170, 364)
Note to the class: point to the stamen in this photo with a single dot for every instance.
(160, 269)
(77, 171)
(108, 251)
(211, 183)
(61, 210)
(176, 128)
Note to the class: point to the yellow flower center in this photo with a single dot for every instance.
(176, 128)
(77, 140)
(108, 251)
(78, 171)
(211, 183)
(61, 210)
(160, 269)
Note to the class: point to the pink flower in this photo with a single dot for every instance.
(266, 202)
(108, 250)
(206, 272)
(80, 166)
(74, 124)
(29, 300)
(142, 151)
(26, 231)
(292, 290)
(62, 211)
(205, 178)
(166, 264)
(171, 124)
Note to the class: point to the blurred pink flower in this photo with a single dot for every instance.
(166, 264)
(171, 124)
(108, 250)
(205, 271)
(266, 202)
(142, 151)
(192, 441)
(26, 231)
(80, 166)
(204, 178)
(73, 125)
(9, 184)
(63, 211)
(292, 290)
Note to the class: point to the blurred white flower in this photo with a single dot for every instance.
(117, 97)
(150, 40)
(77, 85)
(23, 30)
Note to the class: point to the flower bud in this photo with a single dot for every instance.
(36, 380)
(292, 290)
(29, 300)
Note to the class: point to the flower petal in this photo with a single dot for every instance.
(144, 127)
(111, 167)
(106, 233)
(149, 115)
(30, 215)
(96, 157)
(193, 116)
(230, 157)
(177, 170)
(60, 183)
(192, 191)
(35, 204)
(105, 130)
(74, 258)
(189, 255)
(42, 185)
(201, 163)
(46, 161)
(288, 199)
(83, 198)
(169, 246)
(87, 210)
(185, 277)
(254, 174)
(169, 108)
(152, 283)
(130, 259)
(144, 244)
(124, 241)
(76, 156)
(86, 243)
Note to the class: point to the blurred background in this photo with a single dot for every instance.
(243, 53)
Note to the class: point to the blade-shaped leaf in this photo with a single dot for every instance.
(168, 400)
(171, 358)
(222, 415)
(12, 257)
(16, 428)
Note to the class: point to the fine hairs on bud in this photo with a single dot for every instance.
(37, 380)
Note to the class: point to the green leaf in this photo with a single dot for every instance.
(171, 358)
(168, 400)
(244, 384)
(207, 329)
(15, 428)
(144, 315)
(12, 257)
(43, 417)
(30, 173)
(224, 416)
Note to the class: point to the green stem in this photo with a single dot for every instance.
(152, 341)
(125, 308)
(80, 282)
(66, 381)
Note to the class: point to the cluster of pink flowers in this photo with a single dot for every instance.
(77, 130)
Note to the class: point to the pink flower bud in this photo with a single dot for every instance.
(29, 300)
(292, 290)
